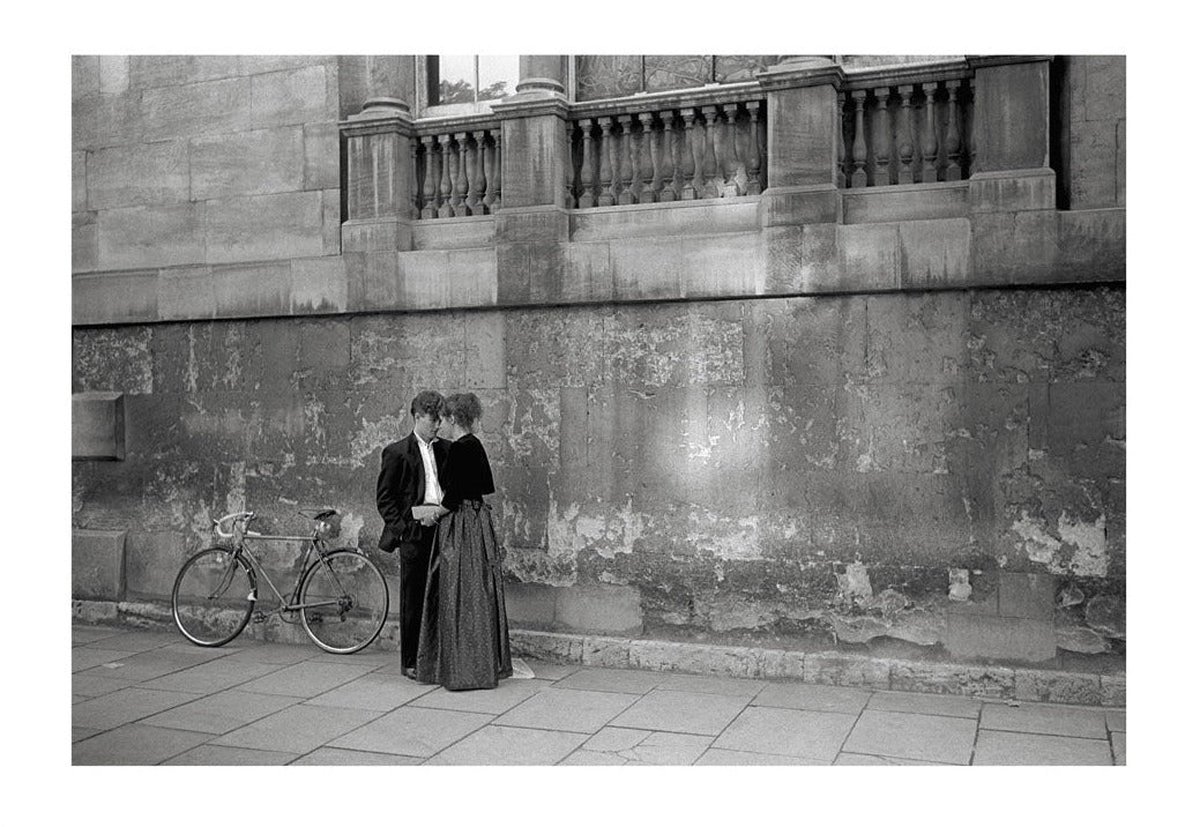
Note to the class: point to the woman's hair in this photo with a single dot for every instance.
(464, 407)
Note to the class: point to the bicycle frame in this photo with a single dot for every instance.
(312, 543)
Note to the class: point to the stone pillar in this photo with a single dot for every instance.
(802, 141)
(532, 226)
(379, 177)
(363, 78)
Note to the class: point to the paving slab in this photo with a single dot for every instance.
(954, 706)
(78, 733)
(496, 701)
(87, 657)
(297, 729)
(569, 710)
(738, 687)
(214, 676)
(1115, 720)
(1046, 719)
(306, 679)
(495, 745)
(698, 713)
(551, 671)
(382, 693)
(372, 658)
(413, 731)
(215, 755)
(817, 697)
(134, 744)
(328, 756)
(1118, 748)
(259, 652)
(851, 759)
(90, 684)
(615, 739)
(222, 712)
(125, 706)
(136, 641)
(736, 758)
(81, 635)
(612, 680)
(145, 666)
(1008, 748)
(667, 749)
(801, 733)
(587, 758)
(908, 735)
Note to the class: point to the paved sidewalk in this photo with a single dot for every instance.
(152, 698)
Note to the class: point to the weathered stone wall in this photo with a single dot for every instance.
(778, 467)
(1093, 137)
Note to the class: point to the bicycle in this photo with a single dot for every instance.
(341, 596)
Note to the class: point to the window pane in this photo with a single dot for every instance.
(734, 68)
(498, 75)
(607, 76)
(456, 78)
(677, 71)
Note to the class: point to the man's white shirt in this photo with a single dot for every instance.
(433, 490)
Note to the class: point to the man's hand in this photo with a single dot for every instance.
(428, 522)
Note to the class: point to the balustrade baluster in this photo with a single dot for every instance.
(458, 201)
(693, 157)
(570, 177)
(969, 127)
(475, 172)
(711, 188)
(904, 134)
(725, 149)
(670, 148)
(858, 151)
(608, 195)
(586, 198)
(654, 140)
(754, 184)
(447, 164)
(929, 142)
(498, 165)
(429, 208)
(647, 154)
(883, 139)
(953, 141)
(489, 172)
(623, 167)
(415, 196)
(841, 142)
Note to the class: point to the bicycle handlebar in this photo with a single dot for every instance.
(247, 516)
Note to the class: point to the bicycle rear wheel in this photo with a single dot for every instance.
(213, 597)
(344, 601)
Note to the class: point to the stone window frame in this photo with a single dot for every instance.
(451, 110)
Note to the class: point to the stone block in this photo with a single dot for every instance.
(160, 236)
(85, 242)
(322, 156)
(588, 274)
(1093, 165)
(261, 64)
(1029, 595)
(114, 297)
(85, 76)
(1104, 89)
(147, 71)
(450, 278)
(263, 227)
(93, 611)
(1086, 416)
(611, 652)
(1000, 638)
(293, 96)
(600, 608)
(152, 559)
(935, 253)
(846, 670)
(210, 108)
(533, 161)
(695, 658)
(647, 268)
(546, 269)
(186, 293)
(1012, 190)
(454, 233)
(869, 257)
(248, 163)
(551, 646)
(786, 206)
(1013, 101)
(108, 120)
(114, 74)
(79, 194)
(718, 266)
(1047, 686)
(1120, 162)
(877, 205)
(261, 289)
(1112, 690)
(801, 146)
(331, 224)
(953, 679)
(670, 219)
(485, 349)
(97, 564)
(319, 285)
(140, 175)
(530, 605)
(1091, 245)
(512, 274)
(98, 425)
(371, 235)
(782, 664)
(784, 259)
(1013, 248)
(532, 225)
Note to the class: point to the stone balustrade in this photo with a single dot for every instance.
(456, 169)
(665, 149)
(906, 127)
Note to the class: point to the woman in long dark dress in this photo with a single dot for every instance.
(464, 626)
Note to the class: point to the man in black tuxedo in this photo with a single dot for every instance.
(408, 476)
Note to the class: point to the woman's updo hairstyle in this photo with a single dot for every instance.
(464, 407)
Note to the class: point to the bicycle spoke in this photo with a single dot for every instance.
(345, 601)
(213, 597)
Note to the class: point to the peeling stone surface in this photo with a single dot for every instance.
(1106, 614)
(773, 467)
(1080, 639)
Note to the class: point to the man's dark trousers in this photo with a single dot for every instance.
(414, 570)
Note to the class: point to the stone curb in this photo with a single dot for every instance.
(830, 667)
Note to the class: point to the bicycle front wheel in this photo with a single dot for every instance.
(343, 601)
(213, 597)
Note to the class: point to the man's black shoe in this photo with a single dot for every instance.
(410, 672)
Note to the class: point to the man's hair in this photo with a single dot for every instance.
(464, 407)
(427, 402)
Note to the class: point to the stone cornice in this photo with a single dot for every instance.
(532, 104)
(800, 74)
(977, 61)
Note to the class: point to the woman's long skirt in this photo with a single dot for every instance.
(464, 627)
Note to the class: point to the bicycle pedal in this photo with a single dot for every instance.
(259, 617)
